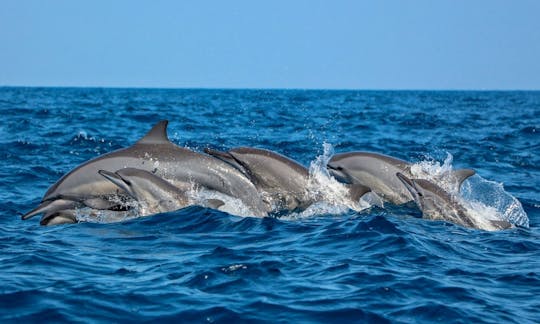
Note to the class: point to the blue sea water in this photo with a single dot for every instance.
(332, 264)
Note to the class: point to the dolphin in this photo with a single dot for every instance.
(283, 179)
(153, 153)
(378, 172)
(437, 204)
(156, 195)
(64, 216)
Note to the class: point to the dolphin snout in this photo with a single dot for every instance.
(409, 184)
(338, 172)
(217, 154)
(333, 166)
(406, 181)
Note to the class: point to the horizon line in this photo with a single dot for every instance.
(269, 89)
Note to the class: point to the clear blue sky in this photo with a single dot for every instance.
(432, 44)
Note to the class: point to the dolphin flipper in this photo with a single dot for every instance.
(213, 203)
(356, 191)
(461, 175)
(500, 224)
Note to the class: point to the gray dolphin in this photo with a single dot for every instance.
(378, 172)
(154, 153)
(155, 194)
(283, 179)
(437, 204)
(64, 216)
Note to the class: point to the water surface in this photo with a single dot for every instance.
(196, 264)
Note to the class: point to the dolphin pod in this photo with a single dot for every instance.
(378, 172)
(84, 186)
(283, 180)
(158, 175)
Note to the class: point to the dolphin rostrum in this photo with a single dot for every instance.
(437, 204)
(154, 194)
(284, 180)
(378, 172)
(154, 153)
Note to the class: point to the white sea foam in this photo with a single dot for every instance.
(105, 216)
(330, 196)
(484, 200)
(233, 206)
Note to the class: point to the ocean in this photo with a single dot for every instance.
(330, 263)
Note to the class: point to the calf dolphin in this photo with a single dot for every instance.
(283, 179)
(378, 172)
(155, 194)
(154, 153)
(437, 204)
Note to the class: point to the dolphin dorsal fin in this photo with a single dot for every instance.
(462, 175)
(157, 135)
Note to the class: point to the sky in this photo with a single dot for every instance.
(443, 44)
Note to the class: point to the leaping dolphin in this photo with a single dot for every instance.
(155, 194)
(437, 204)
(378, 172)
(153, 153)
(283, 179)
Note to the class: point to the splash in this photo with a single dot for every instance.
(486, 193)
(433, 170)
(90, 215)
(331, 196)
(234, 206)
(484, 200)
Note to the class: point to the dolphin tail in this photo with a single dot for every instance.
(356, 191)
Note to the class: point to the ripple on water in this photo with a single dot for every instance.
(332, 263)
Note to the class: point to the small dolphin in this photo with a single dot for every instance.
(283, 179)
(155, 194)
(64, 216)
(437, 204)
(378, 172)
(84, 186)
